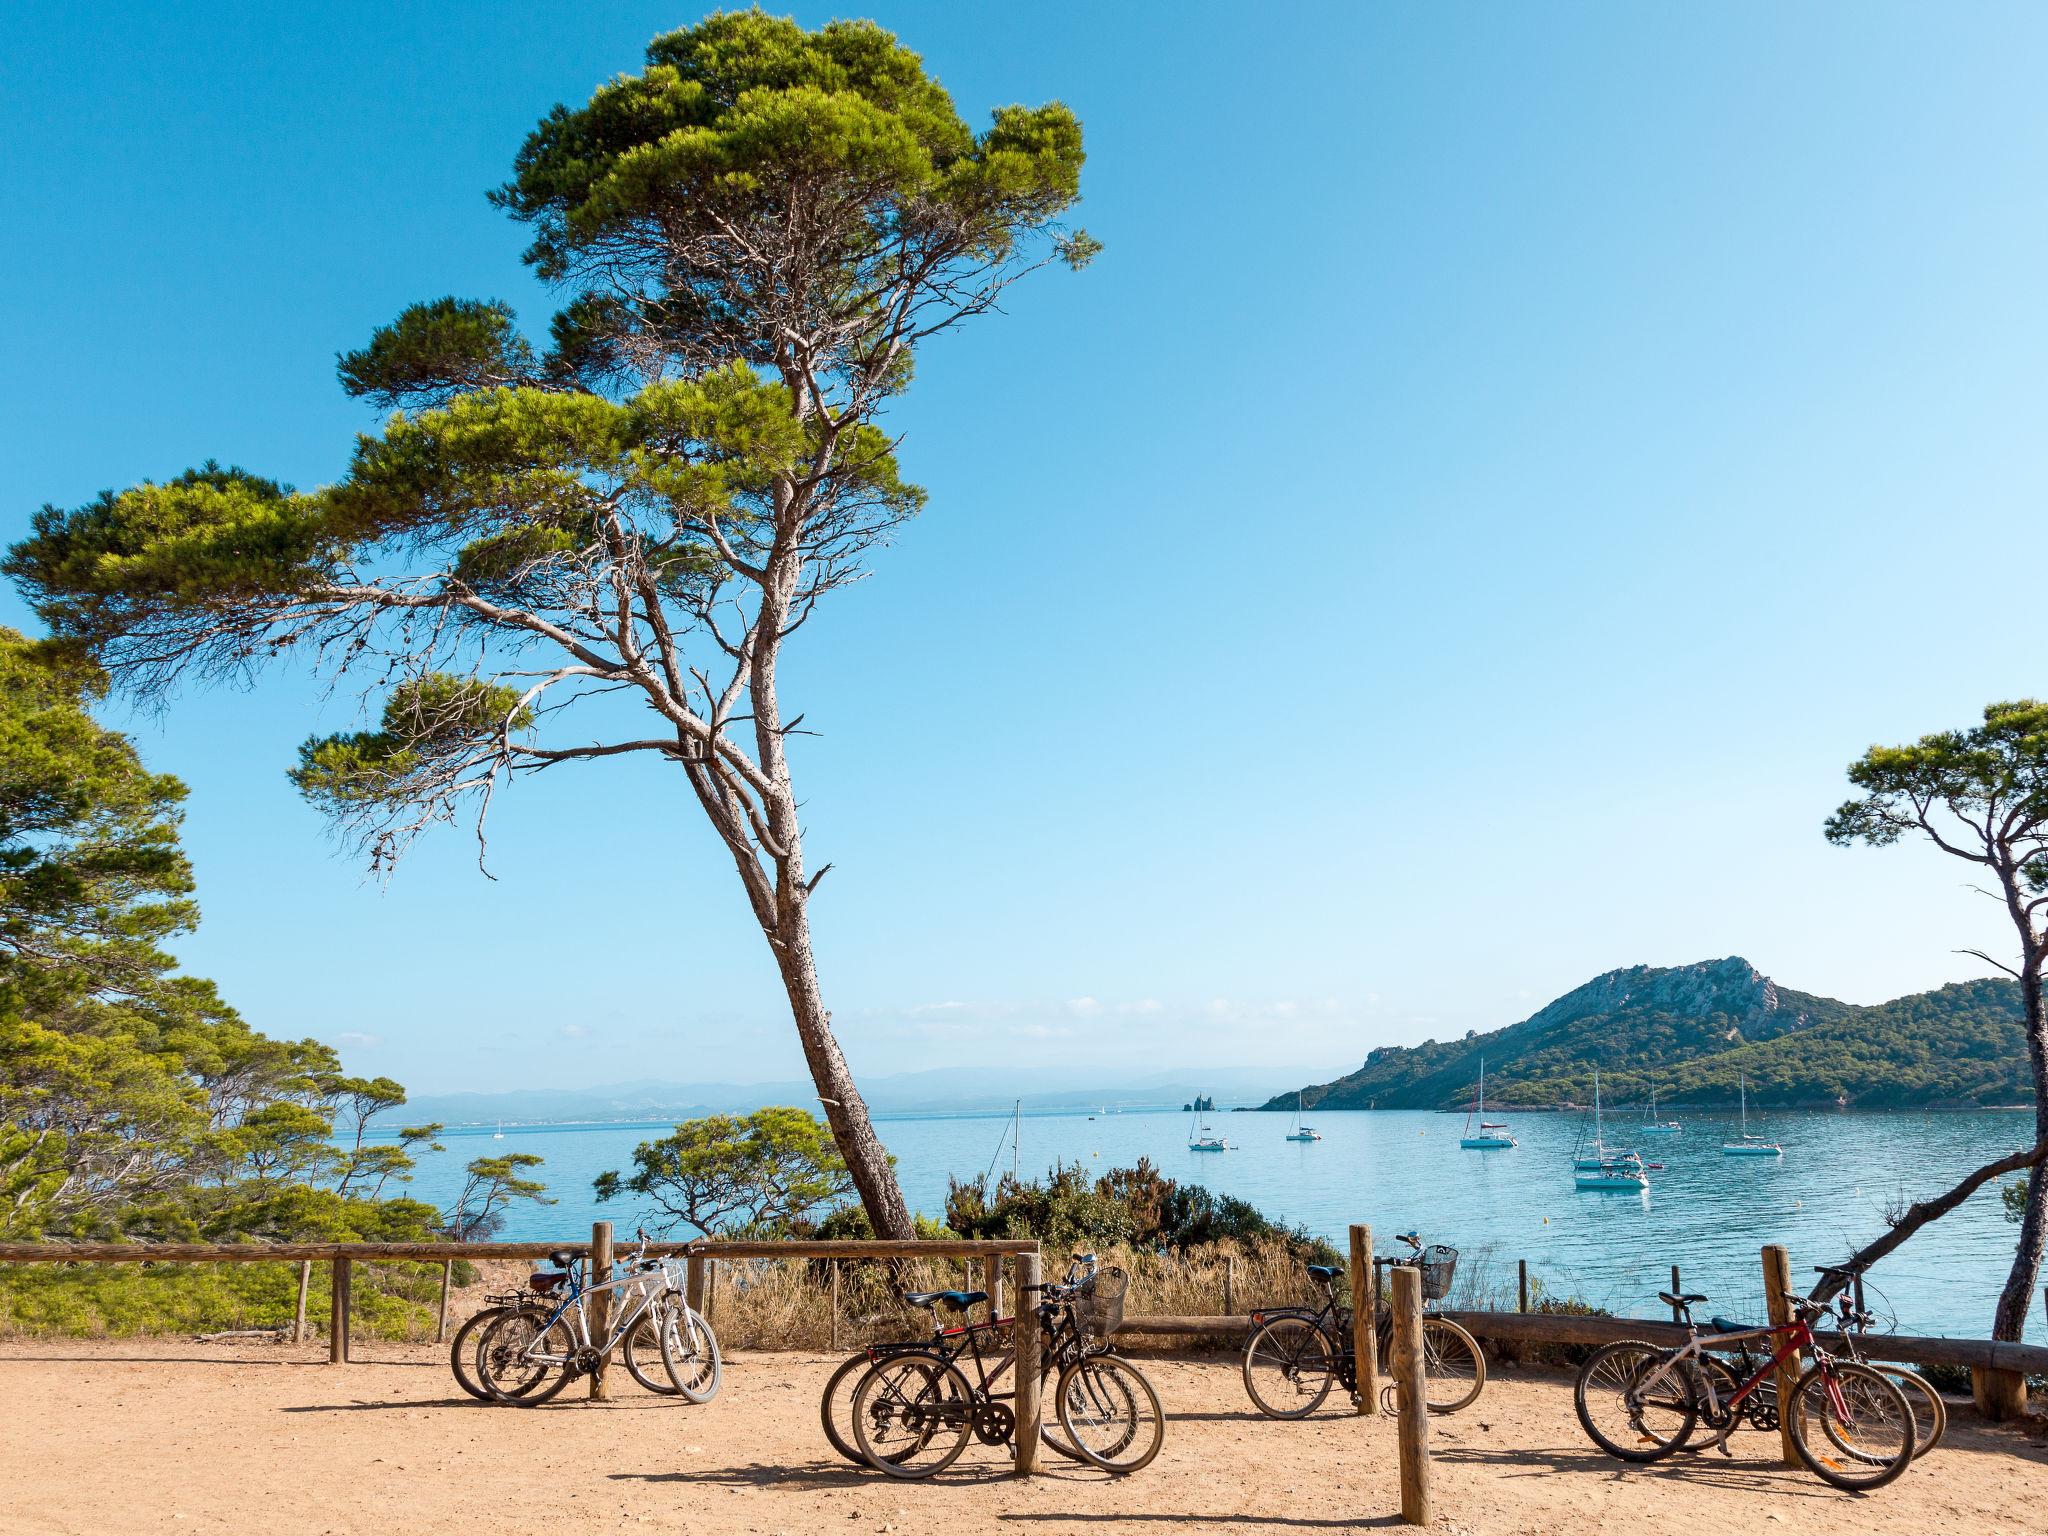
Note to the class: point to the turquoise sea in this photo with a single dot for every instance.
(1707, 1213)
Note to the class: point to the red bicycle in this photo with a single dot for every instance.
(1849, 1424)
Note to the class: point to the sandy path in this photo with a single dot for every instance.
(160, 1435)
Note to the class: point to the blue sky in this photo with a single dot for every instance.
(1505, 463)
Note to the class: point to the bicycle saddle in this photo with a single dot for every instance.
(1325, 1271)
(562, 1258)
(1682, 1298)
(1728, 1325)
(959, 1301)
(545, 1281)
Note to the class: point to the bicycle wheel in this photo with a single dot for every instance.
(1631, 1405)
(1867, 1425)
(1289, 1366)
(523, 1359)
(1930, 1413)
(463, 1351)
(641, 1350)
(1453, 1366)
(1110, 1413)
(689, 1349)
(837, 1392)
(1049, 1434)
(910, 1415)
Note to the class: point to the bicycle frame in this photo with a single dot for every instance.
(1334, 1315)
(1798, 1339)
(573, 1306)
(1060, 1342)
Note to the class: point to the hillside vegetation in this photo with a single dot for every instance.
(1692, 1031)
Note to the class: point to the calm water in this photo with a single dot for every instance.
(1707, 1213)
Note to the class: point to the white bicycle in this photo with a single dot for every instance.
(528, 1355)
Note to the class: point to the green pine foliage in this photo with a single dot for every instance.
(135, 1104)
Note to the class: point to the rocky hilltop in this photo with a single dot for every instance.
(1692, 1030)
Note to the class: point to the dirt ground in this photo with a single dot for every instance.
(166, 1435)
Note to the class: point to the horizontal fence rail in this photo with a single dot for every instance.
(1553, 1328)
(441, 1253)
(1516, 1327)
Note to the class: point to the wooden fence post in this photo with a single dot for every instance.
(339, 1289)
(299, 1314)
(1522, 1285)
(1230, 1285)
(1365, 1350)
(1028, 1405)
(1413, 1394)
(441, 1324)
(992, 1282)
(693, 1281)
(835, 1306)
(1778, 1301)
(1677, 1311)
(1998, 1394)
(597, 1273)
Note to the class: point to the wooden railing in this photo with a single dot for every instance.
(1996, 1367)
(715, 1248)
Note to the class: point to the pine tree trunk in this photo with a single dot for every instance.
(2016, 1301)
(845, 1110)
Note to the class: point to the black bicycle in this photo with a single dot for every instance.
(1854, 1320)
(1296, 1354)
(915, 1408)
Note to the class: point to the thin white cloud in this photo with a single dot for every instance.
(574, 1031)
(355, 1040)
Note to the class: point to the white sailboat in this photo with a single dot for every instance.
(1609, 1169)
(1302, 1132)
(1202, 1139)
(1602, 1155)
(1493, 1135)
(499, 1134)
(1749, 1145)
(1655, 1127)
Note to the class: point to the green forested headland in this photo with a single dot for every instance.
(1692, 1032)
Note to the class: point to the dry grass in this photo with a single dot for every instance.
(787, 1303)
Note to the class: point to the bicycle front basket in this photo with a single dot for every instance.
(1438, 1265)
(1099, 1304)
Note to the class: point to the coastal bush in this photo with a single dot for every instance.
(1136, 1207)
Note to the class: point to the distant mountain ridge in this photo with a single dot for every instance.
(961, 1090)
(1692, 1031)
